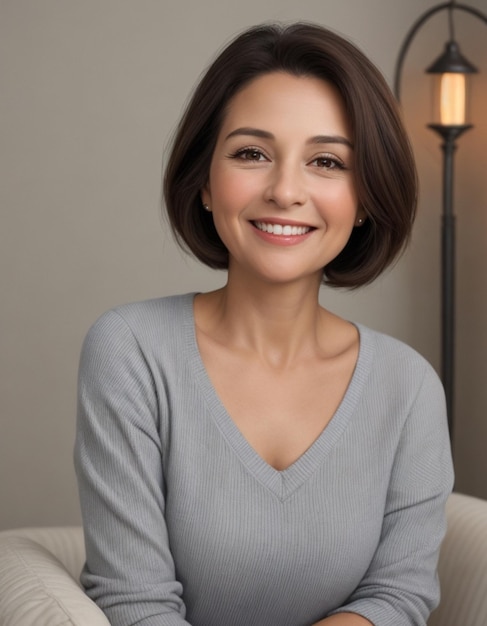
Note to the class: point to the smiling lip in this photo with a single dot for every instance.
(280, 231)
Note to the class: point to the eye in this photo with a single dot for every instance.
(249, 154)
(326, 162)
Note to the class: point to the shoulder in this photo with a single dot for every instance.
(393, 355)
(405, 398)
(133, 331)
(396, 370)
(144, 318)
(154, 314)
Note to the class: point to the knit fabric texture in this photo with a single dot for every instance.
(186, 524)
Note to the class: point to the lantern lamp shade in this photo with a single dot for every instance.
(452, 61)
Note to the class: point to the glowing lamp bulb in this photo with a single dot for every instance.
(452, 99)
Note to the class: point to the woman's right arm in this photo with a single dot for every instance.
(129, 569)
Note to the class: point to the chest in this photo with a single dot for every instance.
(280, 412)
(287, 560)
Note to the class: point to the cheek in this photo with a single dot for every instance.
(339, 200)
(231, 189)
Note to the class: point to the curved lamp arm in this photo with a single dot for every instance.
(414, 29)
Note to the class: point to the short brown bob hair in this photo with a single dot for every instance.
(385, 174)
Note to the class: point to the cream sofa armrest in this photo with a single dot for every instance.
(37, 590)
(66, 543)
(463, 564)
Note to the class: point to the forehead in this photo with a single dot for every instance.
(279, 99)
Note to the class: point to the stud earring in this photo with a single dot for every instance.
(206, 208)
(360, 221)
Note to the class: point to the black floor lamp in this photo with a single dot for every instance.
(450, 71)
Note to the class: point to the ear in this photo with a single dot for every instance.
(206, 194)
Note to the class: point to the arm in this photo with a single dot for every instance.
(129, 569)
(401, 586)
(344, 619)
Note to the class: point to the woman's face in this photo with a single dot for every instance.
(281, 183)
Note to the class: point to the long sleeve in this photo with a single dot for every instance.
(401, 586)
(129, 570)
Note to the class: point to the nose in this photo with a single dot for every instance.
(286, 185)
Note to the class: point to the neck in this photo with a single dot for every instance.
(282, 324)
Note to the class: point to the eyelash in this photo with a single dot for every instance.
(337, 163)
(242, 152)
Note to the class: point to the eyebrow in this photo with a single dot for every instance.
(264, 134)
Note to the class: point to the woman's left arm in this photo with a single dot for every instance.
(400, 586)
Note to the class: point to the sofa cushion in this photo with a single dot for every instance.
(36, 588)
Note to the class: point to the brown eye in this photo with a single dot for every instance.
(251, 155)
(328, 163)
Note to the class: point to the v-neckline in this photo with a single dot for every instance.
(280, 482)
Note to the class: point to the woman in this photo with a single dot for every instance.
(246, 457)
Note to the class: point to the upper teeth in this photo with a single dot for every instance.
(279, 229)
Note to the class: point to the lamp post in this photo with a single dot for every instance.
(450, 72)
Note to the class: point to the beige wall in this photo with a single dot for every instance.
(90, 92)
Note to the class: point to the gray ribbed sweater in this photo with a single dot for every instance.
(186, 524)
